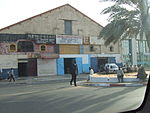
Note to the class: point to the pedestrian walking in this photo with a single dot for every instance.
(120, 75)
(11, 75)
(74, 72)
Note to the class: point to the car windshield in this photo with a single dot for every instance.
(113, 66)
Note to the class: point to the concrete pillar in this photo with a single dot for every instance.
(134, 52)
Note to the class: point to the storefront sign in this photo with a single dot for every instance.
(42, 38)
(37, 38)
(43, 55)
(86, 40)
(68, 39)
(96, 40)
(49, 56)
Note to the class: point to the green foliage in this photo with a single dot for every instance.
(124, 23)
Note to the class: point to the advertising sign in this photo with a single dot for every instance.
(68, 39)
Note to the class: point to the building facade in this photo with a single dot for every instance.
(135, 52)
(54, 39)
(28, 54)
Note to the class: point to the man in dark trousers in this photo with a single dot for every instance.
(11, 75)
(74, 72)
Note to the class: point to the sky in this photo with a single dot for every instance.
(13, 11)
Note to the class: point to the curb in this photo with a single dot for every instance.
(38, 81)
(83, 83)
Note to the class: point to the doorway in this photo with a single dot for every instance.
(67, 64)
(101, 63)
(22, 69)
(27, 67)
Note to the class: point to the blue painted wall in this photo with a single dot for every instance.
(81, 49)
(60, 66)
(4, 74)
(82, 68)
(111, 60)
(94, 64)
(79, 63)
(86, 66)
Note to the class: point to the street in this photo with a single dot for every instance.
(63, 98)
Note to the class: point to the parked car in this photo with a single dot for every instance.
(110, 68)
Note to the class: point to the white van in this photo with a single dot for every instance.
(111, 68)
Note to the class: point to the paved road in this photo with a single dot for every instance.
(63, 98)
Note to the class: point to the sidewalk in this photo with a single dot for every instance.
(101, 84)
(43, 79)
(110, 80)
(81, 81)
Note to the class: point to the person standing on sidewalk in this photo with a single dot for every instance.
(11, 75)
(142, 75)
(91, 73)
(120, 75)
(74, 72)
(107, 69)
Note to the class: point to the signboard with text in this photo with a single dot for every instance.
(42, 38)
(96, 40)
(37, 38)
(68, 39)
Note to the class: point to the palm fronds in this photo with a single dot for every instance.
(126, 23)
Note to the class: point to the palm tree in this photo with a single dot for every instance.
(125, 23)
